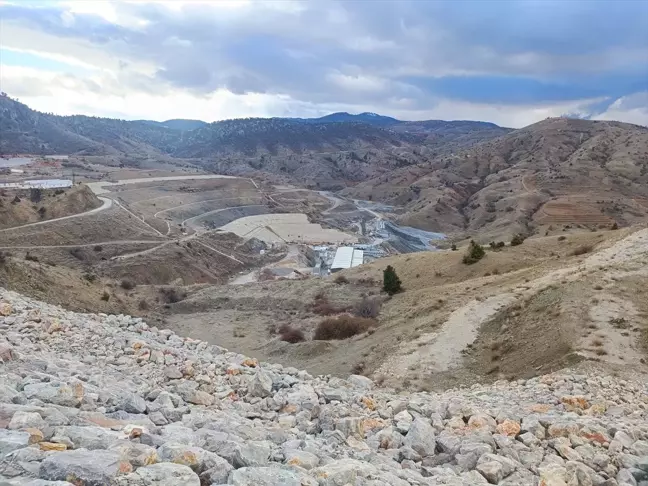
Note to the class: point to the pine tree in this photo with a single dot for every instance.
(391, 282)
(474, 254)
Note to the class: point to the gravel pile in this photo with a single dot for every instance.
(93, 399)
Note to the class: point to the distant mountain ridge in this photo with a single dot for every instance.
(23, 130)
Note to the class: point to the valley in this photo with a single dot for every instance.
(236, 248)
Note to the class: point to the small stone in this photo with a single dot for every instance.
(52, 446)
(302, 459)
(509, 428)
(172, 373)
(491, 470)
(5, 309)
(261, 385)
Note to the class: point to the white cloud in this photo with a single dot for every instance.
(632, 109)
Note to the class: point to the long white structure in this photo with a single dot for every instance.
(37, 184)
(347, 257)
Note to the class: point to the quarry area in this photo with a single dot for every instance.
(92, 399)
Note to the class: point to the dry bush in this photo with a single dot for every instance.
(341, 279)
(171, 295)
(582, 250)
(367, 307)
(291, 335)
(323, 307)
(105, 296)
(143, 305)
(342, 327)
(127, 284)
(78, 254)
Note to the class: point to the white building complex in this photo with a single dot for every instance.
(347, 257)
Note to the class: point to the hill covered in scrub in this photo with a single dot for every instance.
(89, 399)
(556, 172)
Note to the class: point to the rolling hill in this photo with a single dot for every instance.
(555, 172)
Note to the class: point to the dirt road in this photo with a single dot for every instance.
(98, 187)
(106, 204)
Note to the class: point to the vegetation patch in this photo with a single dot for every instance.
(323, 307)
(367, 307)
(391, 283)
(474, 254)
(291, 335)
(342, 327)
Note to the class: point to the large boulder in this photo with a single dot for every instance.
(84, 467)
(162, 474)
(420, 437)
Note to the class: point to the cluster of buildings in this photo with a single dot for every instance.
(331, 259)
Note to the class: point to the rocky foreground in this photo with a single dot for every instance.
(108, 400)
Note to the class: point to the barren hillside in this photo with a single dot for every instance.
(556, 172)
(18, 207)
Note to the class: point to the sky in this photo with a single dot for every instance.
(511, 62)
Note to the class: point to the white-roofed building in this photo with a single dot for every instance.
(346, 257)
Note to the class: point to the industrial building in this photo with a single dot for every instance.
(347, 257)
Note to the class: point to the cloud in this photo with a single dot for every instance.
(509, 62)
(632, 108)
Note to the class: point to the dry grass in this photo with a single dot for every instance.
(342, 327)
(340, 279)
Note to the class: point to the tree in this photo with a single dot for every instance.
(474, 254)
(391, 282)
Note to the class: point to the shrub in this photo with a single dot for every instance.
(453, 247)
(97, 248)
(474, 254)
(323, 307)
(105, 296)
(35, 195)
(127, 284)
(291, 335)
(42, 211)
(30, 257)
(3, 258)
(342, 327)
(562, 238)
(15, 200)
(171, 295)
(341, 279)
(581, 250)
(90, 277)
(391, 282)
(143, 305)
(77, 253)
(501, 244)
(517, 240)
(615, 226)
(367, 307)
